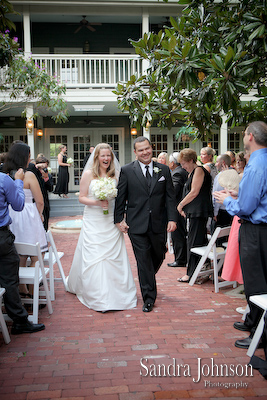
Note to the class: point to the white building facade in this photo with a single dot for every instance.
(86, 44)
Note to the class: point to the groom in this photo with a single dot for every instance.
(146, 196)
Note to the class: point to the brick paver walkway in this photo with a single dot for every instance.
(130, 355)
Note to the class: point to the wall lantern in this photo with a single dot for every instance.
(148, 125)
(29, 125)
(39, 133)
(133, 131)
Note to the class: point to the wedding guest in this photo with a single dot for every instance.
(145, 208)
(11, 194)
(206, 155)
(229, 180)
(27, 225)
(240, 162)
(179, 177)
(2, 160)
(250, 206)
(100, 274)
(39, 168)
(232, 156)
(221, 217)
(163, 158)
(63, 173)
(196, 205)
(231, 267)
(86, 158)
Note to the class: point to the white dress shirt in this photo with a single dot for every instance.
(143, 167)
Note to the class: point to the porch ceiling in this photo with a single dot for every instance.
(109, 11)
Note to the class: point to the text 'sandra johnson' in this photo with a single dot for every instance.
(203, 370)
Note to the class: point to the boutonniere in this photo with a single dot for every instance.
(156, 170)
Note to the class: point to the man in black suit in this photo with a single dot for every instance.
(86, 158)
(179, 177)
(146, 196)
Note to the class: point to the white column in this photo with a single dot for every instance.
(27, 32)
(145, 21)
(145, 29)
(146, 132)
(223, 136)
(27, 54)
(30, 132)
(145, 63)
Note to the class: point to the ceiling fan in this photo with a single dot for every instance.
(86, 24)
(88, 121)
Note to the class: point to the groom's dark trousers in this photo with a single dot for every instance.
(147, 212)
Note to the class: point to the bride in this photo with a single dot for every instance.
(100, 274)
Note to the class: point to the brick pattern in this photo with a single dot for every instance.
(83, 354)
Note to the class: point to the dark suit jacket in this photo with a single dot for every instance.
(179, 177)
(140, 203)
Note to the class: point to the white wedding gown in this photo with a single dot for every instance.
(100, 274)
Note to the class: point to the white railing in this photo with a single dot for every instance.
(94, 70)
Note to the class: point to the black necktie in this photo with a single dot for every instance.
(148, 176)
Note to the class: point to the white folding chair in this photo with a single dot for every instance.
(34, 276)
(216, 255)
(2, 319)
(261, 301)
(53, 257)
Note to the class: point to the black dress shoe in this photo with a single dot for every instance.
(243, 343)
(241, 326)
(176, 265)
(26, 327)
(148, 307)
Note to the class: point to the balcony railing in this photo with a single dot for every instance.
(90, 71)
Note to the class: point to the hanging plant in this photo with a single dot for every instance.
(187, 133)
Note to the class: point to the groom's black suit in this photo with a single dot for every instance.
(148, 211)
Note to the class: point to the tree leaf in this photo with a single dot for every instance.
(174, 23)
(229, 57)
(257, 33)
(186, 48)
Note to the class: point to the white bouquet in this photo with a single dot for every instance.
(70, 160)
(49, 169)
(105, 189)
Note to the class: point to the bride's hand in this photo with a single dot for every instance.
(104, 204)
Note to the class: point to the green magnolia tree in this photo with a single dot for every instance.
(199, 68)
(27, 83)
(23, 82)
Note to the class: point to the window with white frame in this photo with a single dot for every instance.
(5, 143)
(113, 141)
(179, 144)
(213, 142)
(159, 143)
(81, 146)
(234, 140)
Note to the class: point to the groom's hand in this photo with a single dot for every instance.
(122, 226)
(171, 227)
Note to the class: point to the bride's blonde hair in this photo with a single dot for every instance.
(96, 165)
